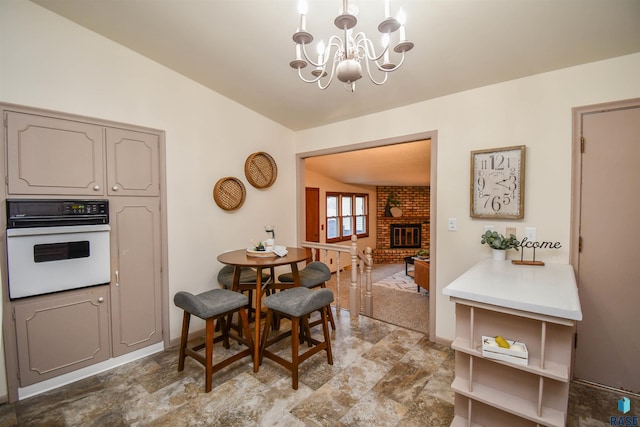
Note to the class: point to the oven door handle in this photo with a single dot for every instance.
(39, 231)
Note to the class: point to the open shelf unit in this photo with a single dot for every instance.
(499, 393)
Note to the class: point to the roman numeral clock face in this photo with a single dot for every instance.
(497, 183)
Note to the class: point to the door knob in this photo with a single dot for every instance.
(96, 188)
(115, 188)
(101, 299)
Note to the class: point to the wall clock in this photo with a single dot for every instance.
(497, 183)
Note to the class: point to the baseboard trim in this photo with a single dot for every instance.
(59, 381)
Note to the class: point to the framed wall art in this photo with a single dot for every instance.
(497, 183)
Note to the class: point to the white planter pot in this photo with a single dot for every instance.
(499, 255)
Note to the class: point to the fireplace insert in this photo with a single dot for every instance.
(405, 236)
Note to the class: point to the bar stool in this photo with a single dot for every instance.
(211, 306)
(297, 304)
(314, 275)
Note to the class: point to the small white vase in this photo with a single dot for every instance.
(499, 255)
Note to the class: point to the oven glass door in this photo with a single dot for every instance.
(53, 259)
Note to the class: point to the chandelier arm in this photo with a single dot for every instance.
(308, 59)
(334, 41)
(369, 48)
(395, 67)
(307, 80)
(378, 83)
(333, 69)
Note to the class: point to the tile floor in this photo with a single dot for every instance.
(383, 375)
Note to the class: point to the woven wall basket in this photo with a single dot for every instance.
(261, 170)
(229, 193)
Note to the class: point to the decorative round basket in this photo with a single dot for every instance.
(229, 193)
(261, 170)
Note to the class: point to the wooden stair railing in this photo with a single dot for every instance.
(359, 264)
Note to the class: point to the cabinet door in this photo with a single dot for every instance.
(61, 333)
(48, 155)
(133, 163)
(136, 294)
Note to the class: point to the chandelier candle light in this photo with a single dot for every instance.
(350, 51)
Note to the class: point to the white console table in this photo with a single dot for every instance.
(537, 305)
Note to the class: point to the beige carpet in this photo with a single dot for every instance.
(395, 306)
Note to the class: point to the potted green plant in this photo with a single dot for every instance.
(499, 243)
(422, 253)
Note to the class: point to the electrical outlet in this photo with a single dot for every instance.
(452, 224)
(510, 231)
(488, 228)
(530, 234)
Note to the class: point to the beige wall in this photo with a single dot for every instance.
(533, 111)
(49, 62)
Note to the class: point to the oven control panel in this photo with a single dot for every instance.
(25, 213)
(91, 207)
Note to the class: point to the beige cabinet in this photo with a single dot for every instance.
(60, 333)
(534, 305)
(136, 290)
(53, 156)
(133, 168)
(59, 156)
(497, 393)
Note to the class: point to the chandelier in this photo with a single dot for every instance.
(344, 57)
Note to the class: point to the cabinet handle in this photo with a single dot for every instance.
(101, 299)
(115, 188)
(117, 278)
(96, 187)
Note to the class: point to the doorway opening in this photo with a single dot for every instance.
(391, 166)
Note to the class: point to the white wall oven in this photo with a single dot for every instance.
(56, 245)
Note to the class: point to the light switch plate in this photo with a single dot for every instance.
(530, 234)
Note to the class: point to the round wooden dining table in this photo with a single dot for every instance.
(239, 258)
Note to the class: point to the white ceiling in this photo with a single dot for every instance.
(242, 48)
(396, 165)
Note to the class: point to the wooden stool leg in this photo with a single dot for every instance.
(295, 327)
(329, 312)
(209, 355)
(225, 325)
(245, 323)
(265, 333)
(305, 331)
(327, 338)
(186, 317)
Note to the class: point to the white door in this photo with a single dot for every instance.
(608, 342)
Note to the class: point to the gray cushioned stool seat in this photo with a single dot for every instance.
(314, 274)
(299, 301)
(247, 276)
(210, 303)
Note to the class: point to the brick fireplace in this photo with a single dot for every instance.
(415, 206)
